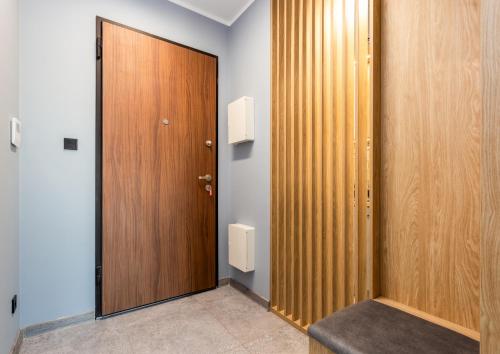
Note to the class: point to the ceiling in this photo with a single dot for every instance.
(223, 11)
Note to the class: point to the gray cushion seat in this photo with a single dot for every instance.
(374, 328)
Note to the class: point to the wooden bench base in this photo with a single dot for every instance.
(316, 347)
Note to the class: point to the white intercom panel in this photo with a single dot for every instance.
(15, 132)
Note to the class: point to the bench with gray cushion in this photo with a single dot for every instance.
(374, 328)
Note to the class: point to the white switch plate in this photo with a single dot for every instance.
(15, 132)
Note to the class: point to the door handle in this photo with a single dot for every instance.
(207, 178)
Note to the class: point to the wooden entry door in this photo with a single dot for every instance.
(158, 137)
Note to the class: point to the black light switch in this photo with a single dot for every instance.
(70, 144)
(14, 304)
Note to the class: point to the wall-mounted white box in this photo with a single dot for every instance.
(241, 120)
(242, 247)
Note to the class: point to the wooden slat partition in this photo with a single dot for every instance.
(321, 108)
(431, 154)
(490, 178)
(337, 132)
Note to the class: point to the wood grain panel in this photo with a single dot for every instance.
(315, 98)
(188, 100)
(433, 319)
(430, 118)
(158, 220)
(490, 178)
(316, 347)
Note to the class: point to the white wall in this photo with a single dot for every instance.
(57, 88)
(250, 170)
(9, 207)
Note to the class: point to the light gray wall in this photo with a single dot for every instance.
(250, 60)
(57, 87)
(57, 99)
(9, 239)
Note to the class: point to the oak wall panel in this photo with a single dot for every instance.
(431, 148)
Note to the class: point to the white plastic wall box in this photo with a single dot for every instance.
(241, 120)
(15, 132)
(242, 247)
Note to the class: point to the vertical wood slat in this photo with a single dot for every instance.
(328, 144)
(282, 161)
(293, 163)
(300, 171)
(351, 158)
(490, 178)
(340, 155)
(317, 120)
(274, 153)
(290, 158)
(365, 151)
(373, 243)
(308, 158)
(287, 238)
(297, 161)
(313, 273)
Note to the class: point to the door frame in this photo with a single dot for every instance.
(98, 166)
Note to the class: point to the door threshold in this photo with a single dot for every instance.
(133, 309)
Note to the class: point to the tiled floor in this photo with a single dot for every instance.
(218, 321)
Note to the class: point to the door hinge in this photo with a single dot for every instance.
(98, 276)
(99, 48)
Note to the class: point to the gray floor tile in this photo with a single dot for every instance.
(220, 321)
(286, 340)
(223, 292)
(243, 318)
